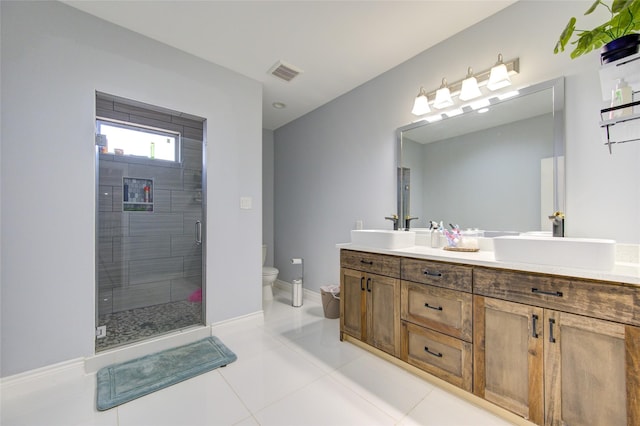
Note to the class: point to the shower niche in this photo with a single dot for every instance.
(137, 195)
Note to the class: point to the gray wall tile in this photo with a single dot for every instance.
(162, 201)
(181, 288)
(112, 172)
(138, 296)
(113, 224)
(144, 271)
(163, 177)
(192, 266)
(105, 198)
(192, 158)
(189, 202)
(112, 275)
(138, 248)
(155, 224)
(185, 245)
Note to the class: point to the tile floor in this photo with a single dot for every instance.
(291, 370)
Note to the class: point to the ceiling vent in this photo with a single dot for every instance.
(284, 71)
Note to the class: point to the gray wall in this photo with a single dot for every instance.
(267, 194)
(337, 164)
(54, 58)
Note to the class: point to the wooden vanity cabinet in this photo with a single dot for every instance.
(370, 302)
(550, 366)
(437, 319)
(555, 350)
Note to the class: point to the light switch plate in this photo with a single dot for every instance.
(246, 203)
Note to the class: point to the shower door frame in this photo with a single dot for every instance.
(202, 222)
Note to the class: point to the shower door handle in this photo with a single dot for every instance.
(198, 232)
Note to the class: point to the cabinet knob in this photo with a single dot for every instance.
(432, 274)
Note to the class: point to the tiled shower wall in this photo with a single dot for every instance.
(149, 258)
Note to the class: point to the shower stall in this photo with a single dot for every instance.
(149, 221)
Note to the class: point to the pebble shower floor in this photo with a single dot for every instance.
(141, 323)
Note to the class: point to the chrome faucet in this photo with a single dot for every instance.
(394, 218)
(557, 224)
(408, 220)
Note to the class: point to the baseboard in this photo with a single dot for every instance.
(135, 350)
(53, 373)
(288, 287)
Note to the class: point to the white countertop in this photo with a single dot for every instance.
(622, 272)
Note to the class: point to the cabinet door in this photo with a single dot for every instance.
(592, 370)
(352, 303)
(508, 356)
(443, 356)
(383, 313)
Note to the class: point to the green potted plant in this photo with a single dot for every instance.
(618, 36)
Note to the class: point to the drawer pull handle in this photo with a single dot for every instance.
(551, 338)
(367, 262)
(432, 274)
(548, 293)
(369, 285)
(439, 308)
(438, 354)
(362, 283)
(534, 326)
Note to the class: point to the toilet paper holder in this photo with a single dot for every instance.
(296, 285)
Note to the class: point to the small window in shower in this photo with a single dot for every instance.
(138, 141)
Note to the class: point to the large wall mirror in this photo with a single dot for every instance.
(497, 170)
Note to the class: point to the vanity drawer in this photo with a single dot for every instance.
(610, 301)
(370, 262)
(447, 311)
(446, 275)
(443, 356)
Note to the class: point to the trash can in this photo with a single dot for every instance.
(296, 293)
(330, 301)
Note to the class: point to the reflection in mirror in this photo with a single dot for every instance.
(501, 170)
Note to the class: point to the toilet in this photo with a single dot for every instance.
(269, 275)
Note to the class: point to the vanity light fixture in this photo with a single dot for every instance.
(470, 89)
(421, 104)
(443, 96)
(499, 76)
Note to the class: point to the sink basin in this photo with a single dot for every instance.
(383, 238)
(583, 253)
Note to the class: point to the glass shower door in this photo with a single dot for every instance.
(150, 232)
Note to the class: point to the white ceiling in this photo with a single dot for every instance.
(338, 45)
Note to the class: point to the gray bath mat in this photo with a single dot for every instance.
(120, 383)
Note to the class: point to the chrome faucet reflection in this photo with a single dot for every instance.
(393, 218)
(407, 220)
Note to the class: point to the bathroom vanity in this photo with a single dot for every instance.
(552, 346)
